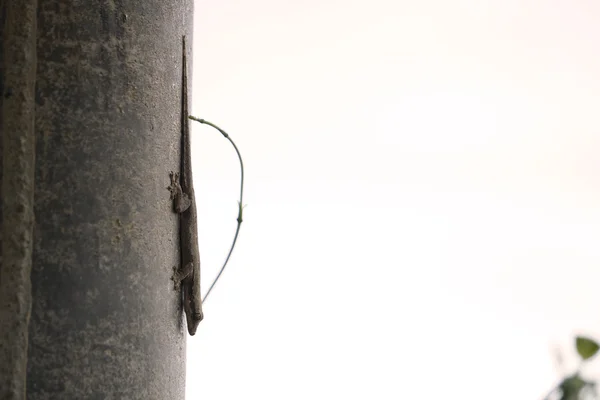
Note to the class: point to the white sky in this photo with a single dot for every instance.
(422, 186)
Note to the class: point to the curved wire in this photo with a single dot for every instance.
(240, 206)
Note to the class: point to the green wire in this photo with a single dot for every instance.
(240, 202)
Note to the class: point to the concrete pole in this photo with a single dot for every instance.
(105, 320)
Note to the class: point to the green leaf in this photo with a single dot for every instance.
(572, 387)
(586, 347)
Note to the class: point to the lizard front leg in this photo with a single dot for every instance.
(181, 273)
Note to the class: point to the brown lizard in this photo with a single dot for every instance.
(187, 275)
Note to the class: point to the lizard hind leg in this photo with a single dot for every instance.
(181, 201)
(174, 187)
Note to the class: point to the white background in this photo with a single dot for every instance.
(422, 186)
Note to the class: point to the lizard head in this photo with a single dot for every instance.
(193, 320)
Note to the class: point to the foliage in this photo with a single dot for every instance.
(586, 347)
(574, 387)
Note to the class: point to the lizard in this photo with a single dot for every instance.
(187, 275)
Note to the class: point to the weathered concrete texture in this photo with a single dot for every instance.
(17, 157)
(106, 322)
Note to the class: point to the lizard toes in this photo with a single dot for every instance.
(175, 278)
